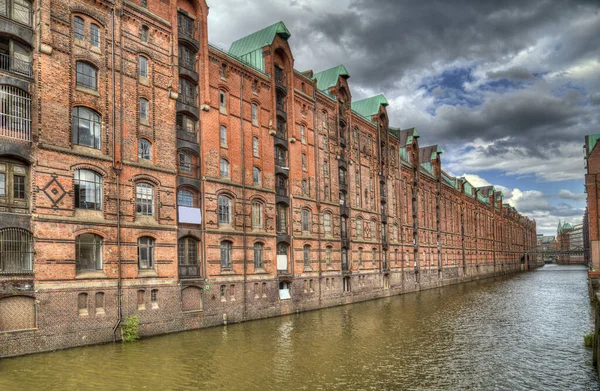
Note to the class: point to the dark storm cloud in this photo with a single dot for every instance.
(514, 73)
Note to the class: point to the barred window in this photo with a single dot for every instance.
(86, 127)
(95, 35)
(15, 113)
(144, 149)
(306, 253)
(327, 223)
(226, 254)
(224, 210)
(143, 66)
(86, 75)
(224, 168)
(146, 252)
(88, 252)
(255, 146)
(144, 109)
(78, 27)
(305, 220)
(144, 199)
(187, 253)
(88, 190)
(258, 255)
(256, 175)
(16, 251)
(185, 198)
(257, 215)
(185, 162)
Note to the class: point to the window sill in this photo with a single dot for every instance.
(222, 111)
(308, 269)
(146, 220)
(227, 272)
(144, 80)
(260, 270)
(95, 49)
(147, 273)
(85, 275)
(87, 90)
(89, 213)
(144, 122)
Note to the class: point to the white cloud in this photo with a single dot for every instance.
(569, 195)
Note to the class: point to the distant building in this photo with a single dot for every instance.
(570, 243)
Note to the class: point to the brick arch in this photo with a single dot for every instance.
(87, 230)
(90, 12)
(17, 313)
(88, 166)
(95, 63)
(145, 178)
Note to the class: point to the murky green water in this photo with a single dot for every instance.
(523, 332)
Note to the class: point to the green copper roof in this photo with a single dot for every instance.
(370, 106)
(249, 48)
(329, 77)
(592, 140)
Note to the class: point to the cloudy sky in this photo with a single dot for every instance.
(508, 88)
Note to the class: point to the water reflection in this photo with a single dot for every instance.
(522, 332)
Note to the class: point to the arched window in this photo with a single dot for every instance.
(99, 302)
(223, 136)
(186, 122)
(88, 252)
(256, 175)
(86, 127)
(359, 256)
(185, 162)
(255, 146)
(144, 199)
(257, 215)
(16, 251)
(258, 255)
(144, 109)
(305, 220)
(223, 101)
(254, 114)
(359, 227)
(95, 35)
(224, 168)
(86, 75)
(226, 254)
(187, 254)
(88, 190)
(78, 27)
(144, 149)
(82, 304)
(327, 223)
(146, 253)
(306, 254)
(144, 34)
(142, 66)
(185, 198)
(328, 255)
(282, 211)
(224, 210)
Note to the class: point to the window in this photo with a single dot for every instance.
(373, 232)
(327, 223)
(145, 3)
(280, 156)
(86, 75)
(185, 162)
(254, 114)
(146, 253)
(284, 290)
(258, 255)
(99, 302)
(325, 169)
(224, 210)
(281, 185)
(187, 254)
(255, 146)
(187, 92)
(82, 304)
(304, 187)
(143, 66)
(328, 255)
(95, 35)
(304, 161)
(187, 57)
(326, 193)
(185, 198)
(359, 228)
(255, 86)
(256, 175)
(144, 149)
(324, 119)
(222, 101)
(144, 34)
(225, 254)
(15, 114)
(223, 136)
(305, 220)
(88, 250)
(306, 253)
(224, 168)
(88, 190)
(373, 257)
(141, 300)
(282, 219)
(77, 27)
(86, 127)
(16, 251)
(186, 122)
(257, 215)
(185, 25)
(303, 134)
(223, 71)
(359, 256)
(325, 142)
(154, 298)
(143, 110)
(144, 199)
(346, 284)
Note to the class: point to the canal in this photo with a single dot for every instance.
(521, 332)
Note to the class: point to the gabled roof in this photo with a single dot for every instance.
(249, 48)
(429, 153)
(591, 141)
(486, 191)
(370, 106)
(407, 135)
(329, 77)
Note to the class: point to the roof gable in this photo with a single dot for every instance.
(249, 48)
(370, 106)
(329, 77)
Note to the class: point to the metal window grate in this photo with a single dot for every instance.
(16, 251)
(15, 113)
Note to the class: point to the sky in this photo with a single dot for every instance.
(507, 88)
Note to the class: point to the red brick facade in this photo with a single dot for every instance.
(192, 187)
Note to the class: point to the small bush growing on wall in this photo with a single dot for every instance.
(588, 340)
(130, 329)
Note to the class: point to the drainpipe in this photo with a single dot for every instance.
(317, 187)
(245, 313)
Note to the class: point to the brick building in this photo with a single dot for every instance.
(144, 171)
(592, 180)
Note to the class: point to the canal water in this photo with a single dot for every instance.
(521, 332)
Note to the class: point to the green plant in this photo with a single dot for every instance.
(588, 340)
(130, 329)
